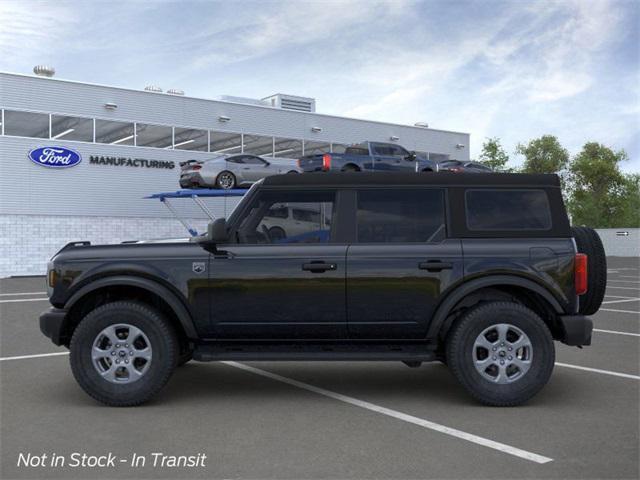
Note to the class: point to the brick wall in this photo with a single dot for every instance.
(27, 242)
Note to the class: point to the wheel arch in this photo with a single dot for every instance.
(131, 287)
(355, 166)
(491, 288)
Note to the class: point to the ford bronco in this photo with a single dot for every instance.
(480, 272)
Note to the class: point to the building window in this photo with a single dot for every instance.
(190, 139)
(114, 133)
(314, 148)
(225, 143)
(287, 148)
(258, 145)
(338, 148)
(26, 124)
(71, 128)
(157, 136)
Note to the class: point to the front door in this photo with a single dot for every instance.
(283, 278)
(400, 263)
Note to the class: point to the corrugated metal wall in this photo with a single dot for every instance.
(620, 242)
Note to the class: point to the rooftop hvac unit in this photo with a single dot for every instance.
(291, 102)
(153, 88)
(175, 91)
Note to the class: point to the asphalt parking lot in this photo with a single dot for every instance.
(329, 420)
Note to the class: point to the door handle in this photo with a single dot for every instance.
(318, 267)
(435, 266)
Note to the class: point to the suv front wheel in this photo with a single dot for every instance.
(501, 352)
(123, 353)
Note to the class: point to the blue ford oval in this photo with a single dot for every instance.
(55, 157)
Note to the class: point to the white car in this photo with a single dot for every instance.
(283, 221)
(231, 171)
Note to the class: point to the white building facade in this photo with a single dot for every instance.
(130, 144)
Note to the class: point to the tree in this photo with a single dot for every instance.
(601, 195)
(544, 155)
(493, 155)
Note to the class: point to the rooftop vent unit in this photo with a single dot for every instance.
(175, 91)
(153, 88)
(44, 71)
(421, 124)
(291, 102)
(244, 100)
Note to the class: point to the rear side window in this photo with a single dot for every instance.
(507, 210)
(400, 216)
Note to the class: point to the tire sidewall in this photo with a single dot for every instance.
(163, 344)
(460, 353)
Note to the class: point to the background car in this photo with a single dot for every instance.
(230, 171)
(283, 221)
(459, 166)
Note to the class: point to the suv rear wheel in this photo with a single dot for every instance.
(123, 353)
(501, 352)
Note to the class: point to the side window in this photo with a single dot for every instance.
(507, 210)
(236, 159)
(401, 216)
(251, 160)
(268, 219)
(398, 151)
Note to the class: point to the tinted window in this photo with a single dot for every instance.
(400, 216)
(190, 139)
(253, 160)
(238, 159)
(507, 210)
(114, 133)
(71, 128)
(157, 136)
(267, 220)
(26, 124)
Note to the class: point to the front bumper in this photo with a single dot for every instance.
(576, 329)
(52, 325)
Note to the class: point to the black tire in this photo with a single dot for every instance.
(460, 351)
(164, 349)
(588, 242)
(292, 172)
(222, 183)
(350, 169)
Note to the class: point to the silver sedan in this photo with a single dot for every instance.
(230, 171)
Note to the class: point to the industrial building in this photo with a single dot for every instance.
(129, 144)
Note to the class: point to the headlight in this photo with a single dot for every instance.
(52, 278)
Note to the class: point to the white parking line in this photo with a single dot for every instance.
(485, 442)
(39, 355)
(621, 301)
(618, 311)
(637, 289)
(597, 370)
(628, 276)
(17, 300)
(616, 332)
(623, 281)
(21, 293)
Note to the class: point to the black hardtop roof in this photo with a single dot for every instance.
(390, 178)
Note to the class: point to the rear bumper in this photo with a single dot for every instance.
(52, 325)
(576, 329)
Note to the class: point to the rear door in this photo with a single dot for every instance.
(400, 263)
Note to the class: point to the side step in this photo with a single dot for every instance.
(404, 352)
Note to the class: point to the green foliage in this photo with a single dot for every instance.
(544, 155)
(493, 155)
(601, 196)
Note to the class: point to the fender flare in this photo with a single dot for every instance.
(174, 302)
(450, 301)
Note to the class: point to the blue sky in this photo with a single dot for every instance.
(514, 70)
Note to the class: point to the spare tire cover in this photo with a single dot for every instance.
(588, 242)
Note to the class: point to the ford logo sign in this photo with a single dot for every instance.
(55, 157)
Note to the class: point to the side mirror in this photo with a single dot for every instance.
(266, 164)
(412, 156)
(216, 232)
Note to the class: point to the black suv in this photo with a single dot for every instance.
(481, 272)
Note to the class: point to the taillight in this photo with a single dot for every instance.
(456, 170)
(580, 273)
(196, 167)
(326, 161)
(299, 162)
